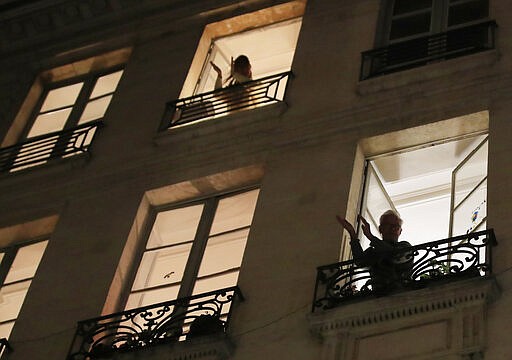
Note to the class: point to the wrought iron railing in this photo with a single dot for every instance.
(268, 90)
(4, 346)
(420, 51)
(443, 260)
(43, 148)
(165, 322)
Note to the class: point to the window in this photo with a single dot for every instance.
(270, 50)
(267, 36)
(62, 111)
(408, 19)
(194, 248)
(18, 266)
(67, 104)
(440, 190)
(74, 102)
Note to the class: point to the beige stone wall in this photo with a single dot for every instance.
(305, 154)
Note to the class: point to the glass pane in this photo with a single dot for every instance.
(175, 226)
(60, 97)
(95, 109)
(215, 283)
(468, 11)
(151, 297)
(470, 173)
(164, 266)
(5, 330)
(405, 6)
(106, 84)
(468, 216)
(234, 212)
(223, 252)
(376, 202)
(12, 298)
(26, 262)
(49, 122)
(410, 25)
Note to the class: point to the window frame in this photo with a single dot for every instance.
(77, 108)
(199, 243)
(9, 255)
(439, 18)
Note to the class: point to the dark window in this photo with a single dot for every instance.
(407, 19)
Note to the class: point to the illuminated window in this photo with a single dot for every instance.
(18, 266)
(268, 37)
(194, 249)
(439, 190)
(66, 105)
(270, 50)
(62, 111)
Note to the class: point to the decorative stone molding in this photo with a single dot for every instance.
(52, 21)
(450, 321)
(215, 347)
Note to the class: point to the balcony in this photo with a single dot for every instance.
(438, 262)
(221, 102)
(185, 319)
(432, 48)
(48, 147)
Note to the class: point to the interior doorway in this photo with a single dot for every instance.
(439, 189)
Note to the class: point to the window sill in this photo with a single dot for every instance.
(55, 166)
(212, 127)
(427, 72)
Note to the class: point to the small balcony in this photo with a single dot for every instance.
(49, 147)
(432, 48)
(221, 102)
(433, 263)
(180, 320)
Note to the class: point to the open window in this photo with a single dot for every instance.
(270, 49)
(440, 190)
(268, 38)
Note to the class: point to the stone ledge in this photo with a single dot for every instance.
(214, 347)
(247, 119)
(427, 72)
(401, 306)
(53, 167)
(450, 320)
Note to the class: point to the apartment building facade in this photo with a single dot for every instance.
(147, 214)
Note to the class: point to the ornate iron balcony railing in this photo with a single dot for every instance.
(443, 260)
(420, 51)
(221, 102)
(43, 148)
(165, 322)
(4, 346)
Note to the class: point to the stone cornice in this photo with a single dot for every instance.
(405, 306)
(43, 23)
